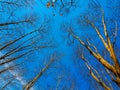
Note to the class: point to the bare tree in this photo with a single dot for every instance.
(15, 43)
(113, 69)
(34, 80)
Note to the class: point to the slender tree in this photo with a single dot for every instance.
(34, 80)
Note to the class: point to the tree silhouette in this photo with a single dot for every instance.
(15, 44)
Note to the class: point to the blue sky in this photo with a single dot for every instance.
(68, 67)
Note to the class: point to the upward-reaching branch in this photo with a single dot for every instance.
(110, 46)
(96, 76)
(32, 82)
(1, 48)
(113, 68)
(99, 35)
(96, 55)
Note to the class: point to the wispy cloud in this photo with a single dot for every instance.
(16, 74)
